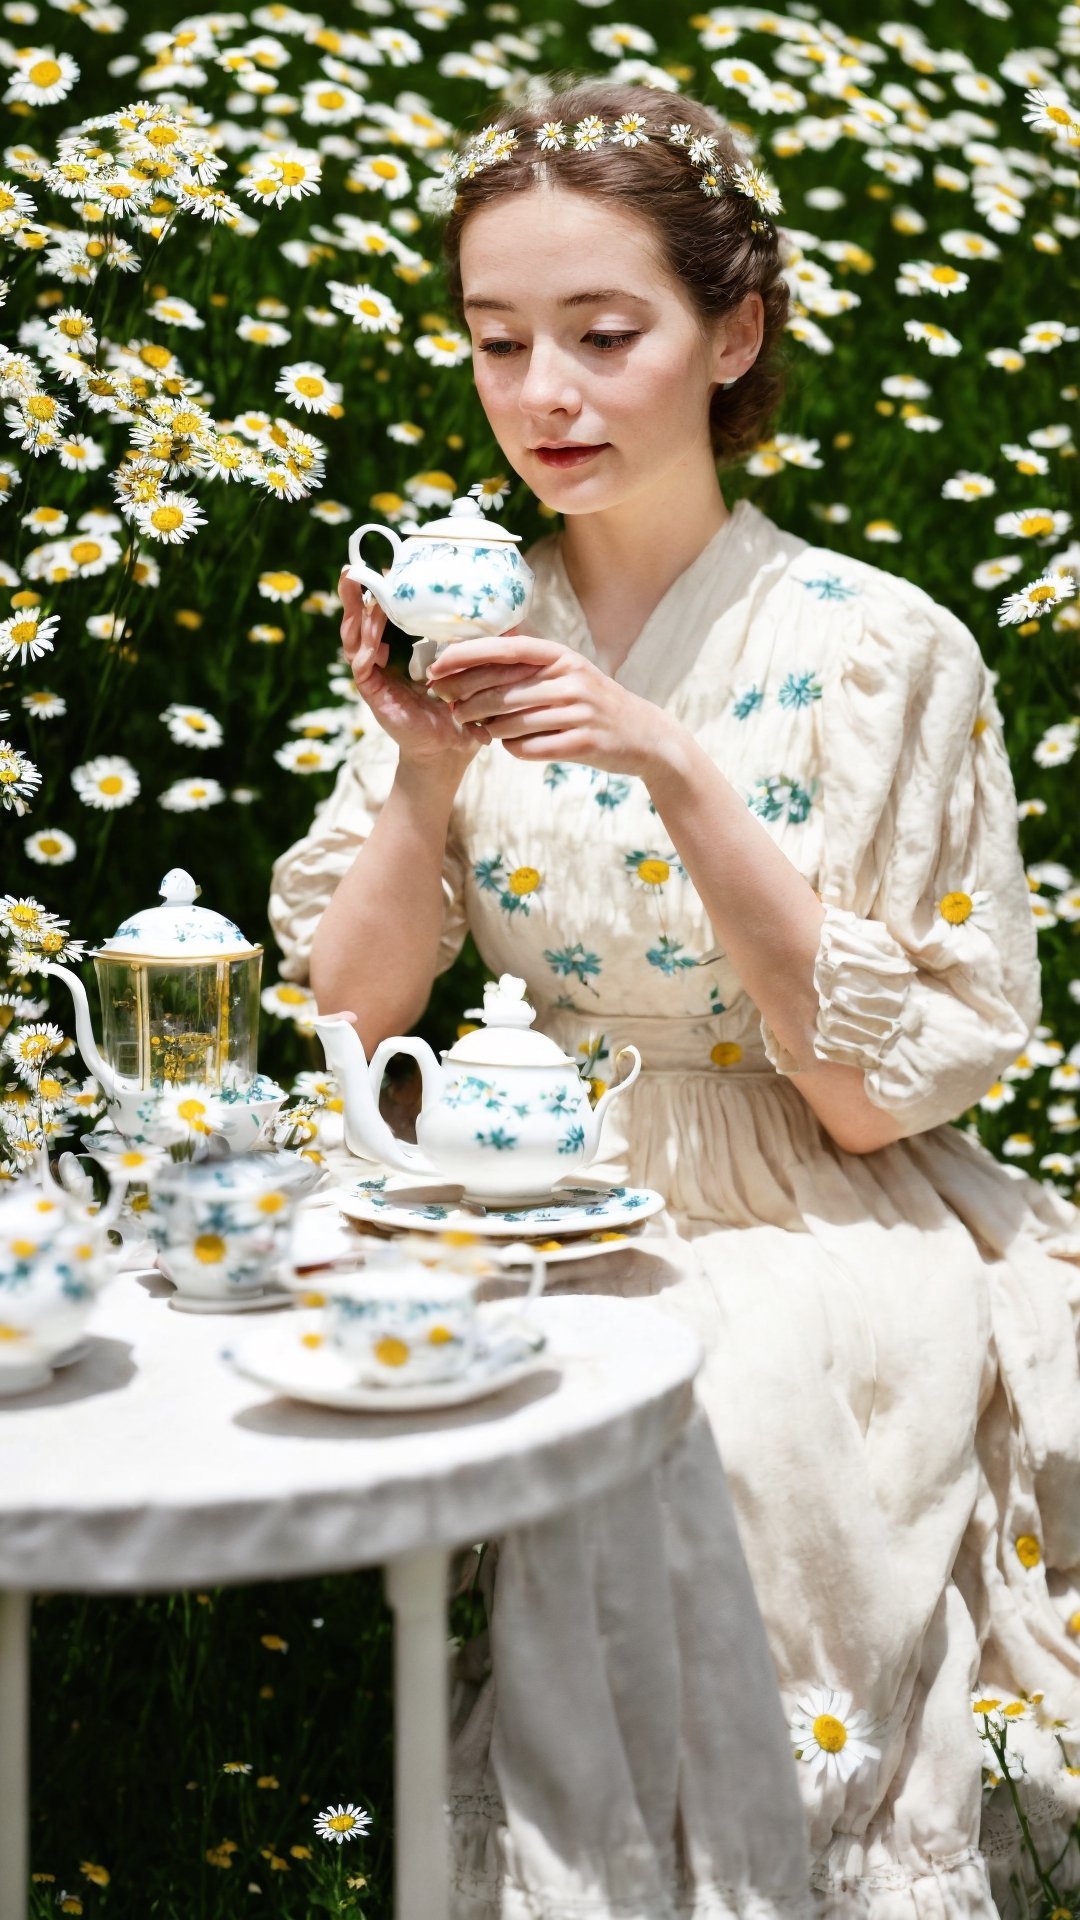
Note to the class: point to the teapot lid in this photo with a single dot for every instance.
(504, 1039)
(177, 931)
(465, 521)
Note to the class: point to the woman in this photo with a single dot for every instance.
(745, 803)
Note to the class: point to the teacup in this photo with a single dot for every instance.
(222, 1228)
(406, 1328)
(54, 1258)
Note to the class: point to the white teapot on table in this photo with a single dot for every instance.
(505, 1115)
(460, 578)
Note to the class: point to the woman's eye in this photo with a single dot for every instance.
(603, 342)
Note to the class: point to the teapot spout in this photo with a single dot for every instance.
(109, 1081)
(366, 1132)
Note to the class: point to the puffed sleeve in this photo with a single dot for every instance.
(927, 974)
(305, 876)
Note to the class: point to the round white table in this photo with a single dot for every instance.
(151, 1464)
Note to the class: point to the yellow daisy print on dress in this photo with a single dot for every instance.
(515, 886)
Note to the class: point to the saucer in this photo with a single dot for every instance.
(276, 1356)
(555, 1253)
(435, 1209)
(243, 1303)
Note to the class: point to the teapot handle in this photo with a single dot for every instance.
(375, 582)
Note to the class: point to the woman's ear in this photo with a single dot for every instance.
(738, 340)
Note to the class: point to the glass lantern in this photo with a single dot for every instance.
(179, 988)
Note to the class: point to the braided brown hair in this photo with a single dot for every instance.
(708, 245)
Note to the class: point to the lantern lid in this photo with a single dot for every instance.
(466, 521)
(179, 930)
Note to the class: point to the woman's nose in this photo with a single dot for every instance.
(549, 385)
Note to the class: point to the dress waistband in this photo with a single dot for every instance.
(723, 1046)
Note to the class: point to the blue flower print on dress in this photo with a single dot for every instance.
(556, 773)
(574, 963)
(609, 789)
(830, 586)
(515, 889)
(669, 956)
(747, 702)
(779, 797)
(799, 690)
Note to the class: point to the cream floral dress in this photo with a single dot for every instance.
(891, 1380)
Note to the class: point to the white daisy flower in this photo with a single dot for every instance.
(92, 553)
(263, 635)
(192, 726)
(446, 349)
(551, 136)
(968, 486)
(283, 175)
(830, 1735)
(41, 76)
(938, 339)
(618, 39)
(381, 173)
(306, 385)
(433, 488)
(405, 432)
(333, 513)
(308, 756)
(1005, 359)
(929, 276)
(1045, 336)
(883, 532)
(1040, 596)
(342, 1823)
(19, 778)
(1042, 524)
(990, 573)
(1027, 460)
(1018, 1146)
(172, 518)
(261, 333)
(743, 75)
(963, 244)
(74, 330)
(365, 306)
(998, 1096)
(106, 782)
(1049, 110)
(190, 796)
(1067, 907)
(589, 133)
(50, 847)
(172, 311)
(26, 635)
(40, 520)
(490, 494)
(78, 453)
(960, 910)
(44, 705)
(30, 1047)
(281, 586)
(1057, 746)
(106, 626)
(289, 1001)
(328, 103)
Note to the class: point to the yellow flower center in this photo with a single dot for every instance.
(270, 1202)
(24, 1249)
(209, 1248)
(726, 1053)
(389, 1352)
(1035, 523)
(523, 880)
(110, 784)
(48, 844)
(311, 1340)
(653, 872)
(330, 98)
(310, 386)
(1028, 1550)
(10, 1333)
(369, 306)
(342, 1822)
(45, 73)
(955, 908)
(152, 356)
(23, 632)
(830, 1733)
(440, 1337)
(73, 325)
(166, 519)
(192, 1110)
(85, 552)
(40, 407)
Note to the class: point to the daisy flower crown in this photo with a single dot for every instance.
(716, 176)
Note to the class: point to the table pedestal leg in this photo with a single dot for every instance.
(416, 1590)
(14, 1754)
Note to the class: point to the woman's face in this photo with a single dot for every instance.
(582, 338)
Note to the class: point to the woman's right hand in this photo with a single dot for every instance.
(423, 727)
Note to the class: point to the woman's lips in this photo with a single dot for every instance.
(567, 456)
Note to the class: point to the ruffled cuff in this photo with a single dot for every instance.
(863, 977)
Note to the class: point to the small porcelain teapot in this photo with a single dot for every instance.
(505, 1116)
(460, 578)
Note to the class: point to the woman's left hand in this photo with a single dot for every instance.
(544, 702)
